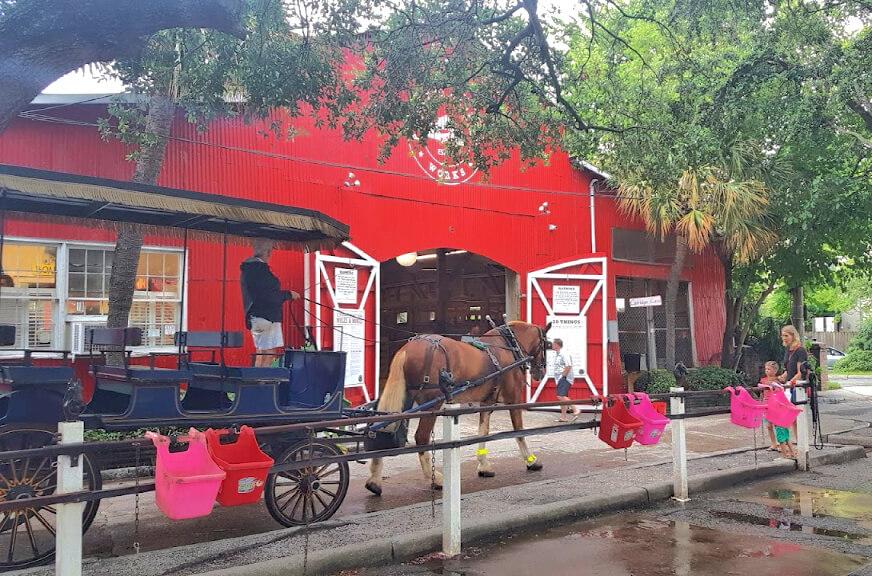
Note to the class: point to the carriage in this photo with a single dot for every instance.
(293, 402)
(194, 386)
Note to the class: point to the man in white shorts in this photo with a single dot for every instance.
(262, 299)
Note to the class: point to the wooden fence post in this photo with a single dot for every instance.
(68, 540)
(451, 485)
(679, 447)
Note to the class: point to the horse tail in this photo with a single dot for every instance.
(393, 397)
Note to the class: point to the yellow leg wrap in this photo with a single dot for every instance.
(531, 459)
(481, 452)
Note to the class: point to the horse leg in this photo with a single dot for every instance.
(375, 476)
(422, 438)
(530, 459)
(485, 469)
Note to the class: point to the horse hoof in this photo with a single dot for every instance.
(374, 488)
(534, 467)
(437, 487)
(486, 473)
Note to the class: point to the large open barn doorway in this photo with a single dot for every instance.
(442, 291)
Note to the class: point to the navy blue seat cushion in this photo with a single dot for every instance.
(244, 373)
(142, 374)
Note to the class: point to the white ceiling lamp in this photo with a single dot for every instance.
(407, 259)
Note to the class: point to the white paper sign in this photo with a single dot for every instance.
(646, 302)
(573, 331)
(345, 285)
(349, 331)
(566, 300)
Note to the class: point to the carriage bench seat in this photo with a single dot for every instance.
(132, 392)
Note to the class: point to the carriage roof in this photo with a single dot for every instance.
(59, 194)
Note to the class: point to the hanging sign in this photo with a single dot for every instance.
(573, 331)
(566, 300)
(646, 302)
(349, 333)
(345, 285)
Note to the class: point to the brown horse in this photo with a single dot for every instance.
(415, 375)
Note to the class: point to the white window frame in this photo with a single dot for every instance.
(62, 319)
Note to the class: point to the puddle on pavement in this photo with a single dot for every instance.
(784, 519)
(633, 546)
(816, 502)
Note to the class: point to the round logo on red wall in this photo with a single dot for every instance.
(432, 157)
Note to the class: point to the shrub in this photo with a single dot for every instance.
(855, 361)
(655, 382)
(863, 339)
(712, 378)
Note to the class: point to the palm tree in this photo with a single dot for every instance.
(704, 207)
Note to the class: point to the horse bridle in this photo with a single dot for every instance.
(544, 346)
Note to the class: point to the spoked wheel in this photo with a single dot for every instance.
(27, 537)
(311, 494)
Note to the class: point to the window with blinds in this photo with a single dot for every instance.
(45, 317)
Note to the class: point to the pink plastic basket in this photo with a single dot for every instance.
(653, 422)
(779, 409)
(745, 411)
(186, 482)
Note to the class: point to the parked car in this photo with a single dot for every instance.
(833, 355)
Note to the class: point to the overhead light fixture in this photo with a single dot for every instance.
(407, 259)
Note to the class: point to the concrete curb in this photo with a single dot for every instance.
(408, 546)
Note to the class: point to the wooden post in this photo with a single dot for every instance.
(451, 486)
(802, 428)
(513, 295)
(679, 448)
(68, 540)
(443, 287)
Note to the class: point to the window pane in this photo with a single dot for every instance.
(172, 263)
(33, 321)
(94, 286)
(77, 260)
(29, 265)
(95, 262)
(109, 256)
(155, 264)
(77, 285)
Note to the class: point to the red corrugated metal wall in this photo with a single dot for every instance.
(396, 208)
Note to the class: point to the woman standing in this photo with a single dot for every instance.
(794, 358)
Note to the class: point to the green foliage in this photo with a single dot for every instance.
(863, 340)
(833, 385)
(712, 378)
(856, 361)
(655, 381)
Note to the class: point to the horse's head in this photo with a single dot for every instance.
(534, 342)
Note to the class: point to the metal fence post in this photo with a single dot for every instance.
(679, 447)
(451, 486)
(68, 540)
(802, 429)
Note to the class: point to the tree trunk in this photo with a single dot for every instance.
(731, 310)
(672, 284)
(797, 310)
(128, 244)
(41, 40)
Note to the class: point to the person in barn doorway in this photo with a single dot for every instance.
(262, 299)
(563, 376)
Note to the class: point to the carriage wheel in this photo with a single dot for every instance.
(311, 494)
(27, 537)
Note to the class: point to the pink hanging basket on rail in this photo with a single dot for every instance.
(745, 411)
(779, 410)
(653, 422)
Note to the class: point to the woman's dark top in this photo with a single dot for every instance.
(793, 359)
(262, 295)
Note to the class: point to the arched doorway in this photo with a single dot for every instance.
(440, 291)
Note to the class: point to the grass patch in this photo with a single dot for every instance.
(851, 372)
(833, 385)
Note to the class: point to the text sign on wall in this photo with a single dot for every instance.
(646, 302)
(566, 300)
(573, 331)
(349, 331)
(345, 285)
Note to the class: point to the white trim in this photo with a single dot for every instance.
(591, 193)
(374, 280)
(599, 289)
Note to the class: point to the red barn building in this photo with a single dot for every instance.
(434, 248)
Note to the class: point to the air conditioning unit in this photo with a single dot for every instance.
(78, 335)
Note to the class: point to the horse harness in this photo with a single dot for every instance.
(446, 383)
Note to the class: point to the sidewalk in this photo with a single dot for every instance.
(409, 531)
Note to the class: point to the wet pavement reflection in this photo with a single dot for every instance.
(633, 545)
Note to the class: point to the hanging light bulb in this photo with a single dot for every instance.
(407, 259)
